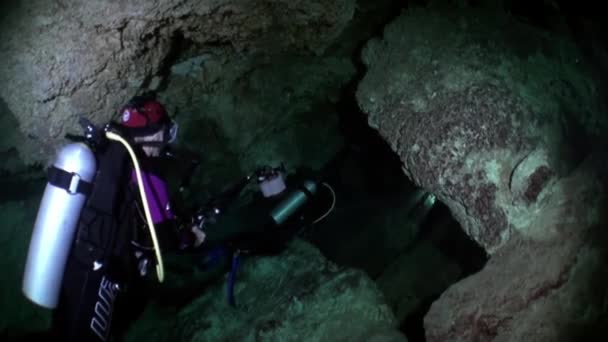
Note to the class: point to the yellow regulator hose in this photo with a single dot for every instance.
(160, 271)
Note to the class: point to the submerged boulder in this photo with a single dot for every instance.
(493, 117)
(296, 296)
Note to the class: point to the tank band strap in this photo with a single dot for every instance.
(69, 181)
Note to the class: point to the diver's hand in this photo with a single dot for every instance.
(199, 236)
(191, 238)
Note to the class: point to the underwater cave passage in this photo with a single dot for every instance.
(385, 225)
(400, 235)
(465, 257)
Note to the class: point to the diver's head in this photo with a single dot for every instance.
(146, 120)
(151, 144)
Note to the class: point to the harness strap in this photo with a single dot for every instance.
(69, 181)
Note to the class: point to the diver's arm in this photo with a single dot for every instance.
(173, 237)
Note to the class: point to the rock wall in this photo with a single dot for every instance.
(496, 118)
(62, 59)
(242, 112)
(547, 289)
(10, 135)
(296, 296)
(485, 115)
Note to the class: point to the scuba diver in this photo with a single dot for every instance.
(283, 207)
(105, 217)
(90, 248)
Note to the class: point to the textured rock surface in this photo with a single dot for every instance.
(493, 117)
(62, 59)
(484, 114)
(298, 296)
(549, 289)
(243, 112)
(11, 163)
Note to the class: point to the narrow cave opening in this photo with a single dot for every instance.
(370, 184)
(383, 223)
(445, 234)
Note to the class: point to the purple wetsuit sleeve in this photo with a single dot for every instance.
(157, 194)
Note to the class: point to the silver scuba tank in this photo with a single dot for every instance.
(69, 183)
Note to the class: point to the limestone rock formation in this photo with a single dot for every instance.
(11, 163)
(241, 112)
(62, 59)
(493, 117)
(297, 296)
(483, 112)
(552, 288)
